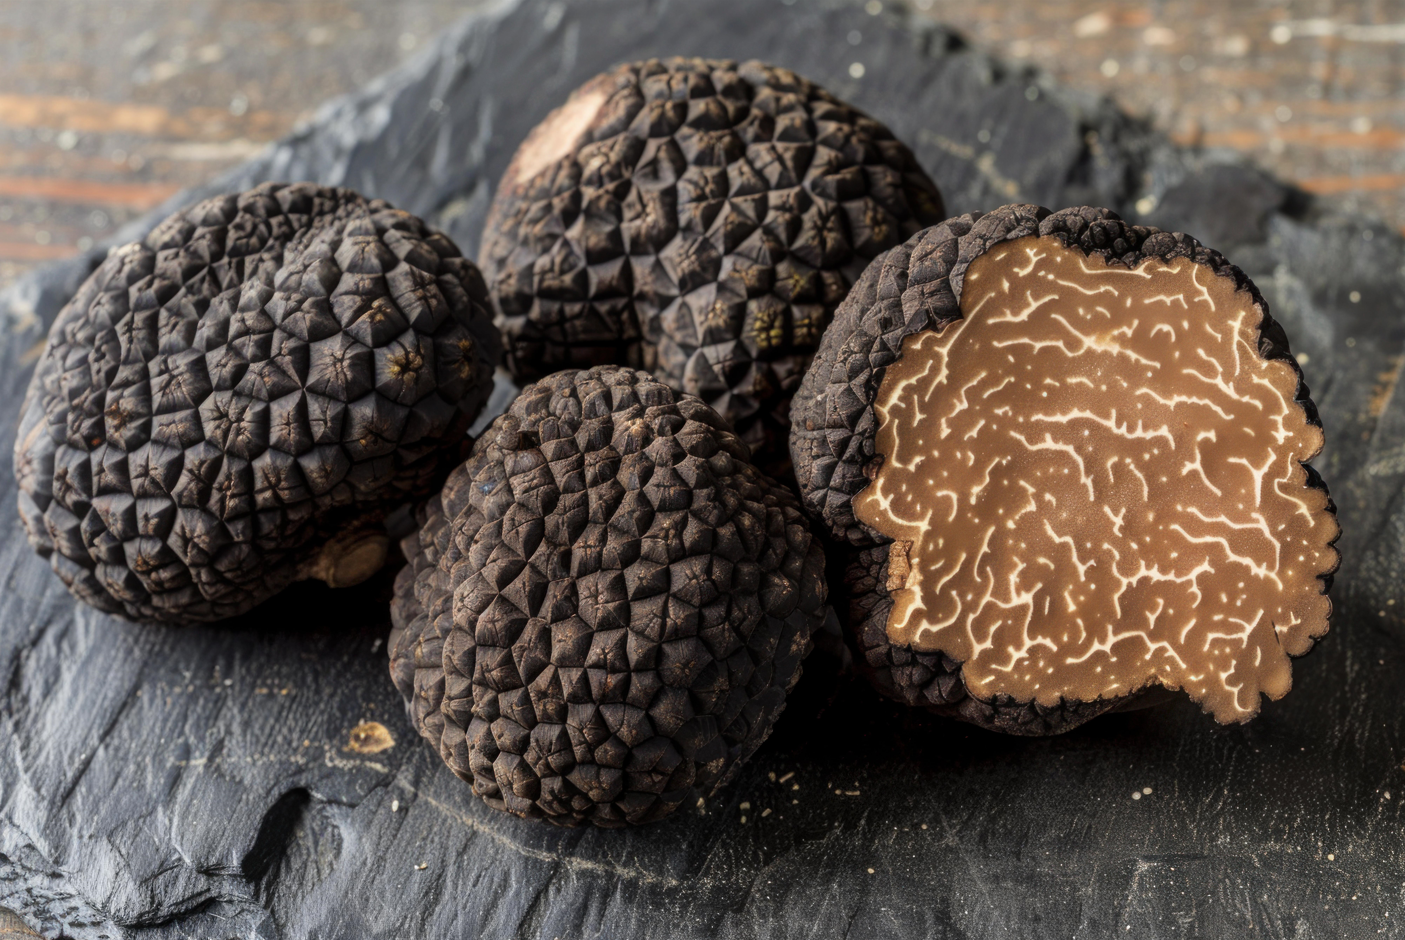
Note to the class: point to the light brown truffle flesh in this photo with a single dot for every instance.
(1096, 483)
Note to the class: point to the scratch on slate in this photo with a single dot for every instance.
(86, 760)
(329, 758)
(571, 863)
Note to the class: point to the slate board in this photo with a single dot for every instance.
(159, 783)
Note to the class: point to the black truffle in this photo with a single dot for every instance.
(1068, 458)
(235, 401)
(607, 604)
(700, 219)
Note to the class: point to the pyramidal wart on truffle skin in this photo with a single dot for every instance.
(606, 605)
(234, 402)
(701, 219)
(1068, 457)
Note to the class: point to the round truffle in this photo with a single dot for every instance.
(700, 219)
(234, 402)
(606, 606)
(1069, 458)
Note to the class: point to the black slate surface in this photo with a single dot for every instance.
(159, 783)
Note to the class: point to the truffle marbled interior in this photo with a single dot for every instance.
(1096, 482)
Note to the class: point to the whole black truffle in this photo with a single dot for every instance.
(607, 604)
(234, 402)
(1068, 456)
(700, 219)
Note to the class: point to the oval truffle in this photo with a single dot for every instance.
(1072, 468)
(700, 219)
(234, 402)
(607, 604)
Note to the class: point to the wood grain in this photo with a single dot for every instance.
(1309, 89)
(111, 105)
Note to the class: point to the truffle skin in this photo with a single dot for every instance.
(235, 401)
(606, 606)
(916, 287)
(700, 219)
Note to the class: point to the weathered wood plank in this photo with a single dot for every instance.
(163, 83)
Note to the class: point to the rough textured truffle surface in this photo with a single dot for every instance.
(1101, 416)
(607, 604)
(234, 402)
(700, 219)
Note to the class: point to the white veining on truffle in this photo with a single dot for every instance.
(1101, 483)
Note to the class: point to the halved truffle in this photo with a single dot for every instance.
(700, 219)
(1069, 458)
(607, 604)
(234, 402)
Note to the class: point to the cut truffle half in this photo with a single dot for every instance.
(605, 607)
(236, 401)
(1069, 457)
(701, 219)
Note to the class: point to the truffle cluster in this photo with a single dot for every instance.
(605, 607)
(700, 219)
(233, 402)
(1069, 455)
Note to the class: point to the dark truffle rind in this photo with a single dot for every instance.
(915, 287)
(607, 604)
(262, 374)
(703, 225)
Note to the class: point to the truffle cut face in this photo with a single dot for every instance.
(1094, 483)
(607, 604)
(235, 401)
(701, 219)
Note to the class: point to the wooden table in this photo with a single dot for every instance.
(109, 106)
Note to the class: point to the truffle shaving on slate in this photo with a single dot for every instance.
(607, 604)
(1071, 466)
(701, 219)
(234, 402)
